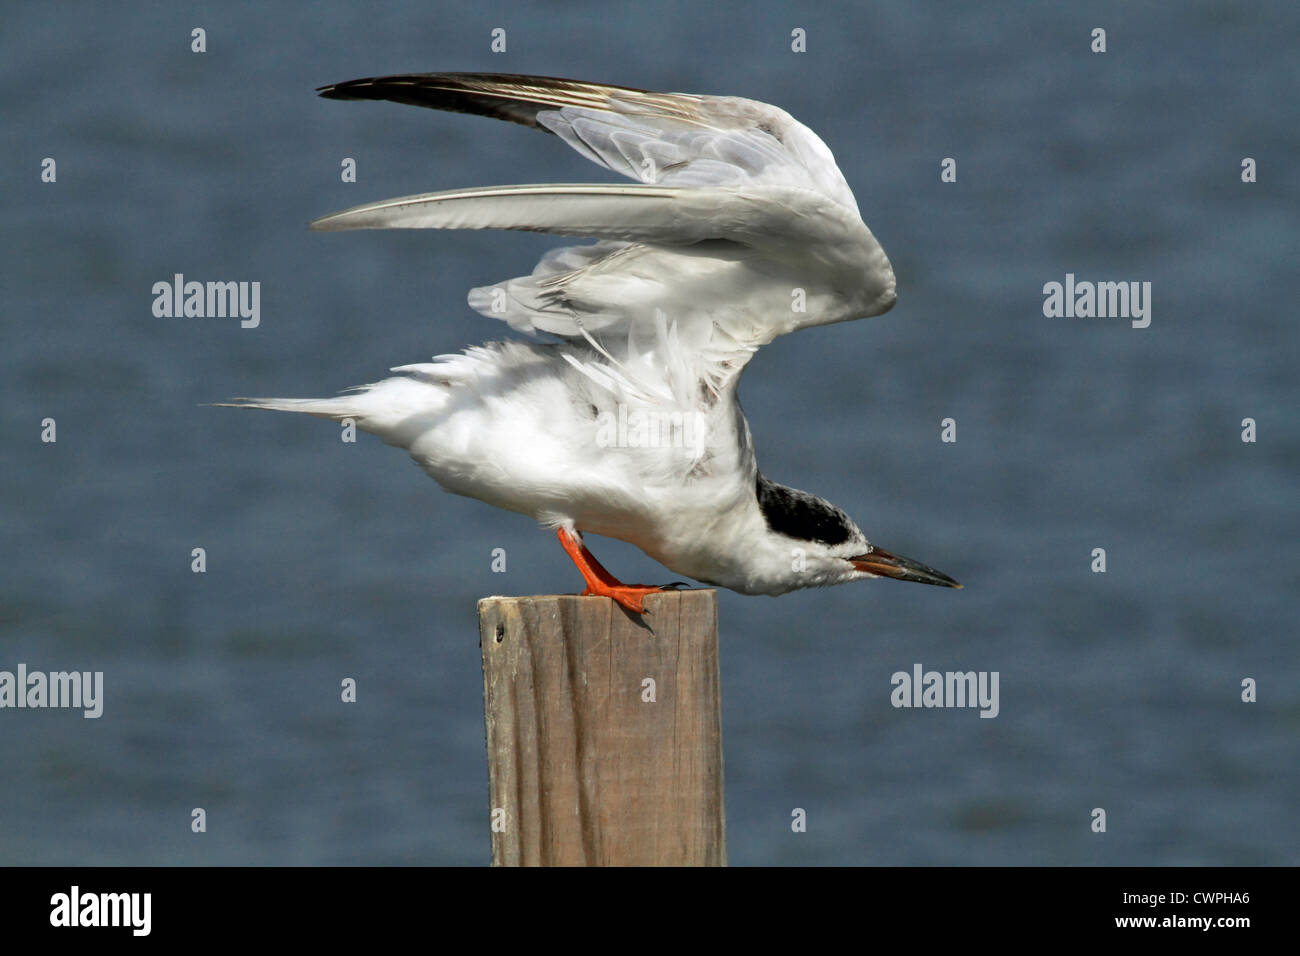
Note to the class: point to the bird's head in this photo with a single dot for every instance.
(828, 548)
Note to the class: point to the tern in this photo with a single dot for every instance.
(620, 418)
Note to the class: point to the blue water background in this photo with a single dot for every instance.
(324, 560)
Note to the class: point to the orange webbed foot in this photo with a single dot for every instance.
(600, 583)
(631, 596)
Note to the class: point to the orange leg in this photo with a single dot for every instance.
(599, 581)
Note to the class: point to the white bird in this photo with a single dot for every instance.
(740, 228)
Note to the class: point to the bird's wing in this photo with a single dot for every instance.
(742, 228)
(671, 215)
(677, 139)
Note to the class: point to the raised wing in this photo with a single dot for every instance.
(671, 215)
(678, 139)
(743, 228)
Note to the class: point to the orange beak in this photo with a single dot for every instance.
(883, 564)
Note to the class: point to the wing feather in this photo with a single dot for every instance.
(739, 229)
(669, 138)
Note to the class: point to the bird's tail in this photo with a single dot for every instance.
(396, 409)
(336, 409)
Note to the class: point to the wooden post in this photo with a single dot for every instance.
(590, 763)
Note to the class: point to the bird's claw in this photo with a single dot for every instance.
(630, 596)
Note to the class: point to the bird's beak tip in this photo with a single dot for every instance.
(883, 564)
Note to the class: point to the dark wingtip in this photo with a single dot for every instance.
(335, 91)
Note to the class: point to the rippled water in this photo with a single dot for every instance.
(1118, 690)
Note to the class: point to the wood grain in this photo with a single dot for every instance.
(586, 771)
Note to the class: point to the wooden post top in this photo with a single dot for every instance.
(604, 730)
